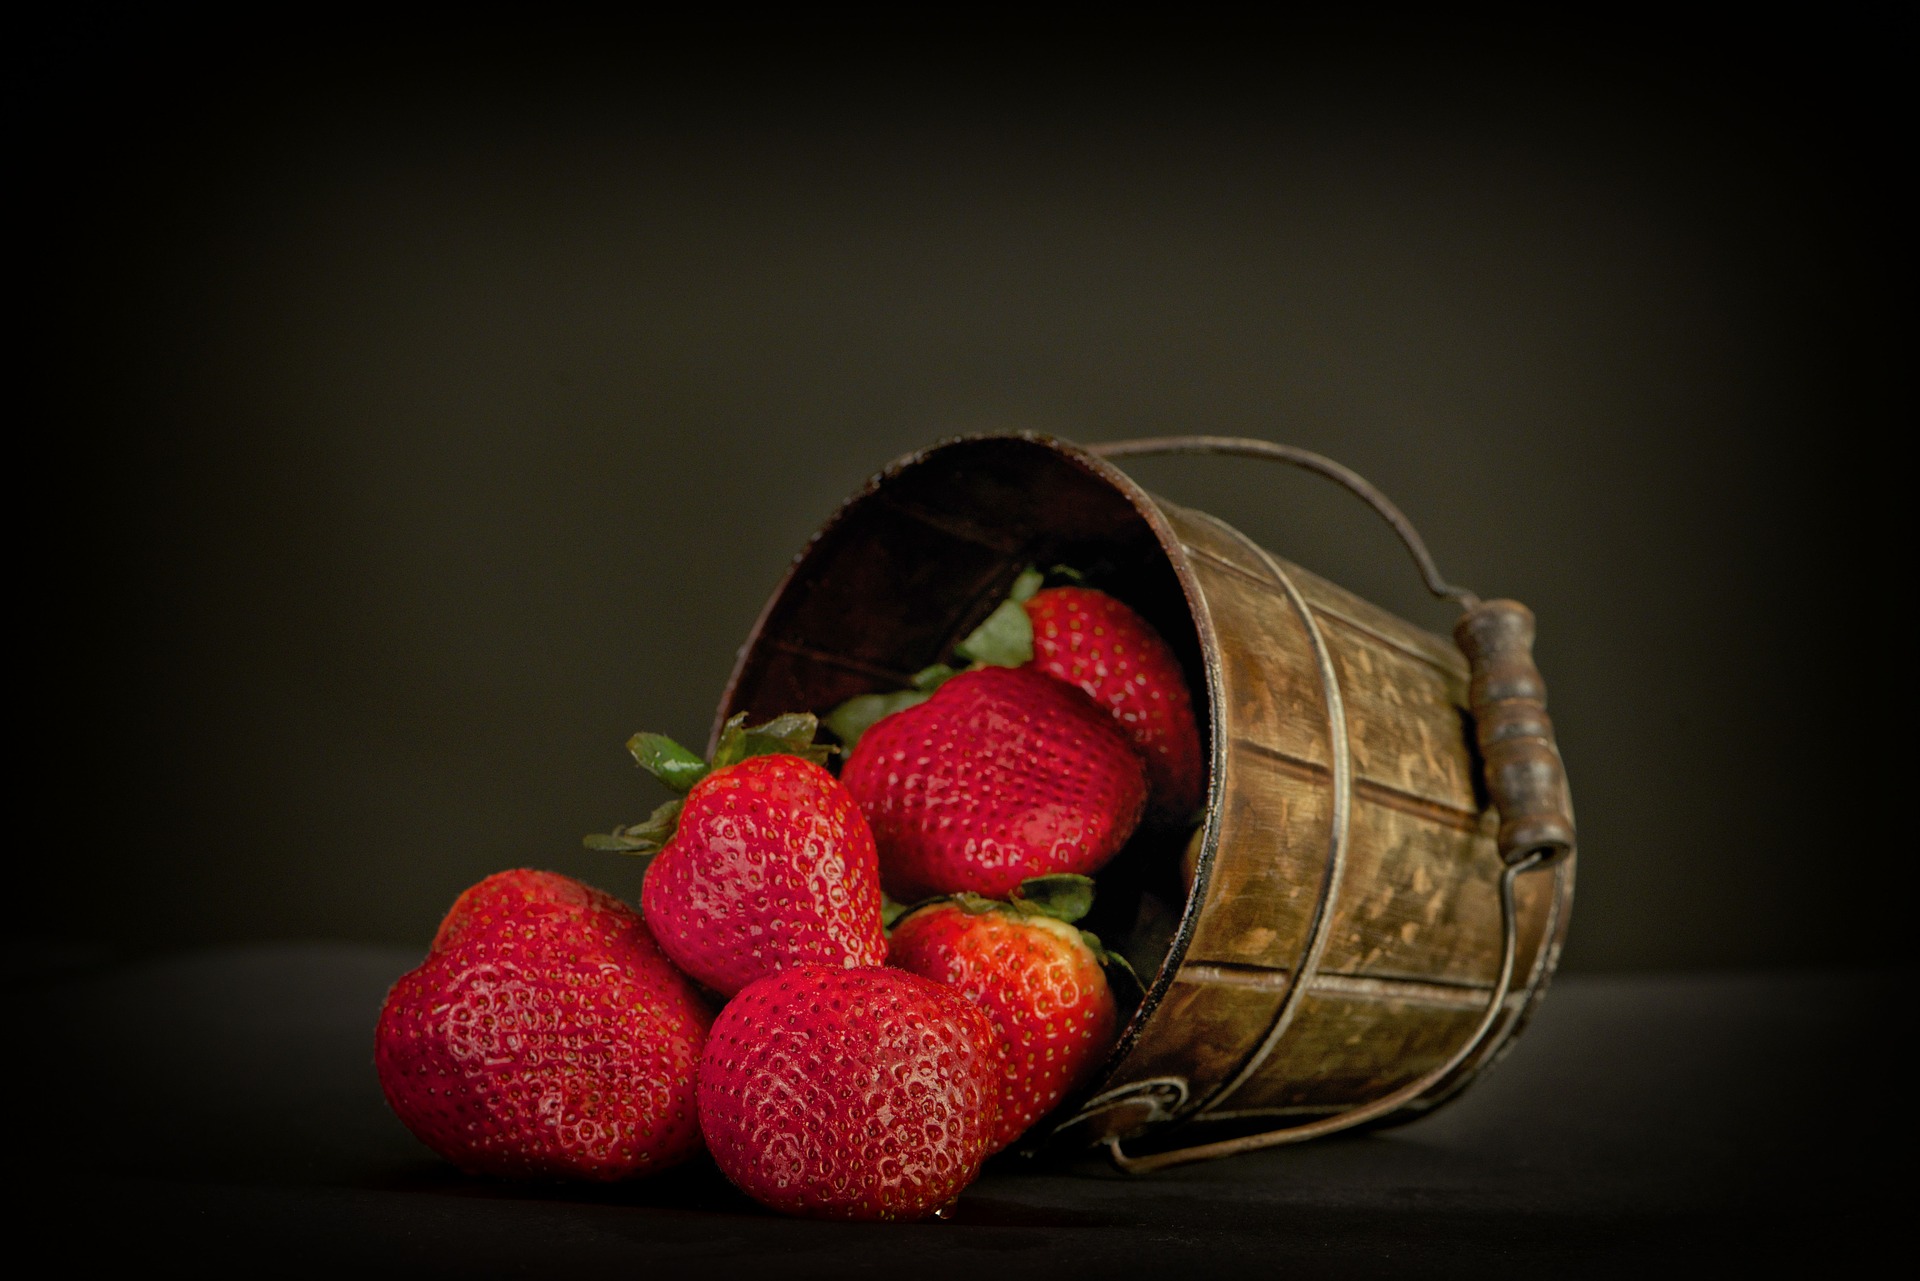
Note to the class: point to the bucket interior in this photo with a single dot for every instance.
(919, 558)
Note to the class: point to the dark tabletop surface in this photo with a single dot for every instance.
(219, 1109)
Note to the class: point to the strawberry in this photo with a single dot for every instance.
(766, 863)
(545, 1036)
(1001, 775)
(1038, 978)
(1091, 640)
(850, 1094)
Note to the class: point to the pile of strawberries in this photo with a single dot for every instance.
(901, 987)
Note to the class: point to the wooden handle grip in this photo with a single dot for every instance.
(1525, 776)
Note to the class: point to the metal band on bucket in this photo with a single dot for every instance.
(1320, 929)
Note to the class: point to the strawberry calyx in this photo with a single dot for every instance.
(892, 910)
(1003, 639)
(679, 768)
(1065, 896)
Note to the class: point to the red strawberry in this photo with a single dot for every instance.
(519, 895)
(850, 1094)
(1037, 977)
(1002, 775)
(545, 1036)
(772, 866)
(766, 863)
(1091, 640)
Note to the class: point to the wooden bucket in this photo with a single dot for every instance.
(1353, 937)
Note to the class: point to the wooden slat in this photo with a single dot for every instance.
(1379, 793)
(1269, 869)
(1356, 1047)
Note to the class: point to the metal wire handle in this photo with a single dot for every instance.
(1313, 462)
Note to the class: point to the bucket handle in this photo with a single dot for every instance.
(1524, 774)
(1521, 763)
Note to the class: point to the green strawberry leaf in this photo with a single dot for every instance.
(641, 838)
(1067, 574)
(733, 739)
(928, 679)
(891, 911)
(613, 843)
(787, 735)
(1113, 961)
(667, 761)
(1005, 639)
(680, 770)
(858, 714)
(1065, 896)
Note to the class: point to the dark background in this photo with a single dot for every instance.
(426, 407)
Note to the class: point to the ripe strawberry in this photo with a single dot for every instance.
(773, 865)
(1091, 640)
(849, 1094)
(545, 1036)
(765, 864)
(1002, 775)
(1037, 977)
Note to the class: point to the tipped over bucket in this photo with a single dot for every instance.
(1376, 895)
